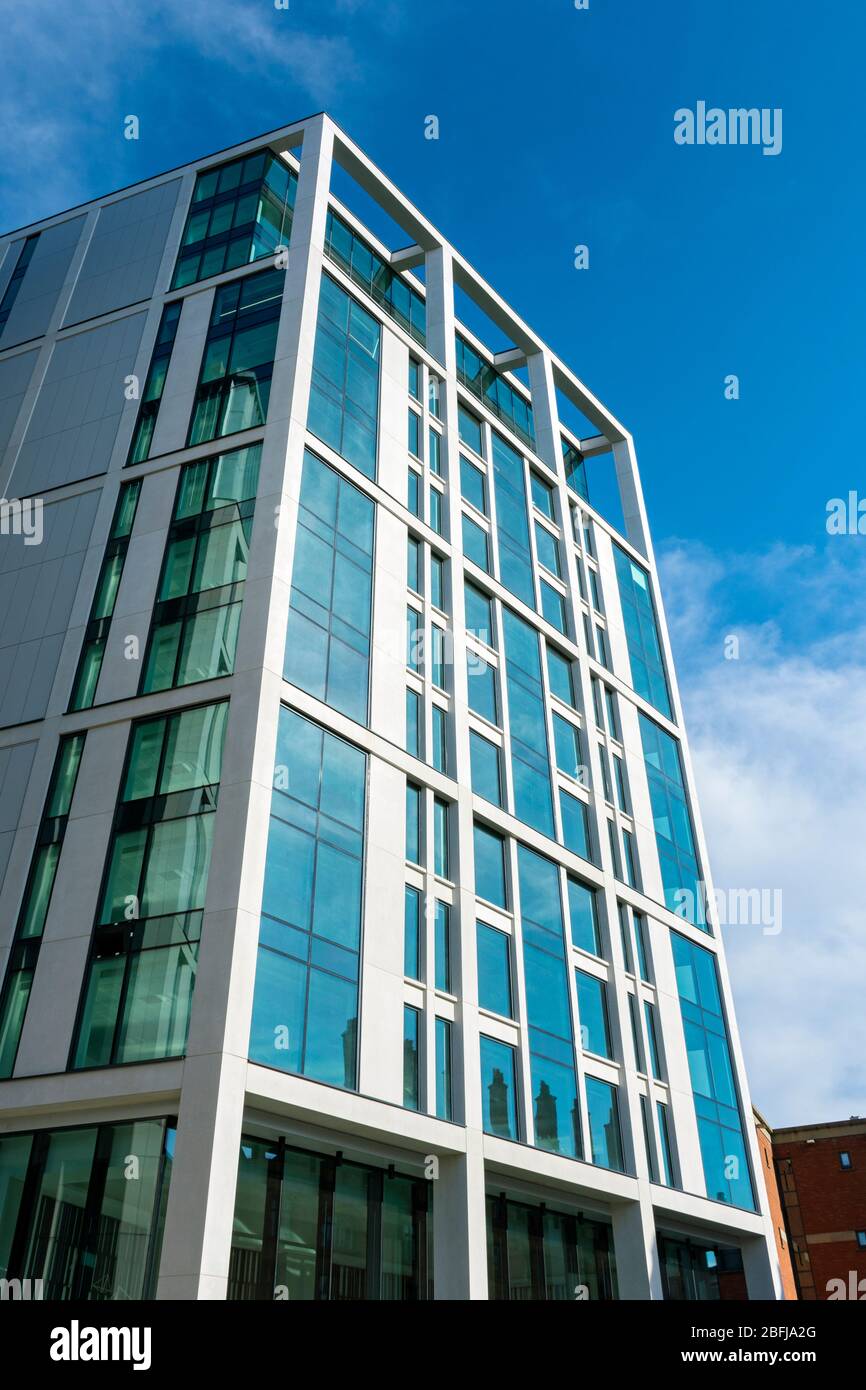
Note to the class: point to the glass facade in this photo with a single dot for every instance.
(309, 1227)
(305, 1013)
(641, 632)
(538, 1255)
(682, 879)
(37, 899)
(485, 382)
(240, 212)
(696, 1272)
(499, 1088)
(82, 1210)
(154, 385)
(512, 521)
(139, 983)
(530, 757)
(234, 383)
(197, 614)
(102, 609)
(388, 289)
(329, 630)
(717, 1109)
(344, 394)
(556, 1111)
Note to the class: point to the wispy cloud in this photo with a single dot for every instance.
(780, 759)
(68, 74)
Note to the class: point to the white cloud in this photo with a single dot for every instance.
(70, 73)
(779, 747)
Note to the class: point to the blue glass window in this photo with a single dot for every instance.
(385, 286)
(305, 1011)
(486, 774)
(559, 673)
(654, 1057)
(566, 738)
(442, 937)
(473, 485)
(437, 582)
(435, 452)
(479, 615)
(512, 521)
(547, 548)
(414, 565)
(548, 1009)
(494, 970)
(542, 497)
(437, 656)
(234, 383)
(664, 1132)
(411, 1068)
(575, 825)
(553, 607)
(444, 1100)
(499, 1088)
(413, 823)
(530, 759)
(412, 934)
(469, 429)
(492, 388)
(490, 866)
(239, 213)
(481, 678)
(414, 433)
(440, 739)
(603, 1107)
(441, 847)
(720, 1126)
(583, 913)
(476, 544)
(641, 632)
(592, 1012)
(681, 875)
(344, 393)
(328, 634)
(414, 638)
(413, 723)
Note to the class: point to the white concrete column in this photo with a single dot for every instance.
(638, 1270)
(460, 1240)
(196, 1247)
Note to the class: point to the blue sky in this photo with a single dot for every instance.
(556, 128)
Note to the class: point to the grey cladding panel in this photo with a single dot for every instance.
(15, 373)
(37, 590)
(74, 423)
(15, 765)
(124, 254)
(42, 282)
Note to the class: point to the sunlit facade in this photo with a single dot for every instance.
(353, 893)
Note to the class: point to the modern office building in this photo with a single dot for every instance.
(819, 1176)
(353, 915)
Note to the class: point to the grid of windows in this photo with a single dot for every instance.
(313, 1227)
(538, 1255)
(681, 875)
(344, 393)
(305, 1012)
(329, 629)
(138, 986)
(102, 608)
(75, 1216)
(388, 289)
(556, 1114)
(154, 385)
(194, 632)
(720, 1125)
(641, 632)
(235, 379)
(485, 382)
(37, 899)
(240, 212)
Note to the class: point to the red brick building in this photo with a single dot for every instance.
(821, 1182)
(777, 1211)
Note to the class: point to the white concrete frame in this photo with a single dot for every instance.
(215, 1091)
